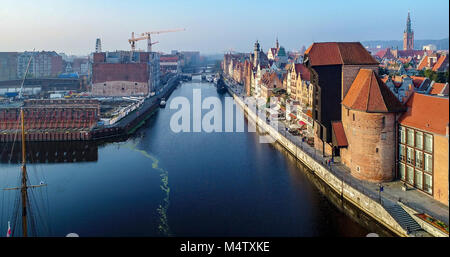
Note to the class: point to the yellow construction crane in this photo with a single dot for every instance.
(133, 41)
(147, 35)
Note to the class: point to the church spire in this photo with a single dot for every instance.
(408, 24)
(408, 35)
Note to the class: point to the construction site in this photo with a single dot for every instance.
(122, 88)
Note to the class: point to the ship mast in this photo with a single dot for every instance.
(23, 188)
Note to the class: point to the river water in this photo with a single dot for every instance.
(162, 183)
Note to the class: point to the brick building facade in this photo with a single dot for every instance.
(423, 145)
(114, 75)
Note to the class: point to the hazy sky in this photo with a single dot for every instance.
(212, 26)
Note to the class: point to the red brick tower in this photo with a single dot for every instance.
(408, 35)
(369, 114)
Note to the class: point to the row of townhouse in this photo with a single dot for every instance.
(266, 75)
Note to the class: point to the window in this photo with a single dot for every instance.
(418, 181)
(410, 137)
(402, 135)
(419, 159)
(428, 163)
(410, 155)
(353, 117)
(376, 150)
(383, 121)
(402, 171)
(348, 112)
(419, 140)
(428, 185)
(383, 135)
(428, 143)
(410, 175)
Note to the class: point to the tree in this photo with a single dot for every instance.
(446, 75)
(382, 71)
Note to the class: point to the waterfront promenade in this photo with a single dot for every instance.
(388, 198)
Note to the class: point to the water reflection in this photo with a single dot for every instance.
(341, 204)
(50, 152)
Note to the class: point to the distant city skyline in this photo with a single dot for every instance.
(211, 27)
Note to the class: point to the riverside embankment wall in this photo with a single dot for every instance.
(359, 199)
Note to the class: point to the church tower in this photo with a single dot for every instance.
(256, 54)
(408, 35)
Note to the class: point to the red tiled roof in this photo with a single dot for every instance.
(381, 53)
(440, 64)
(136, 72)
(427, 113)
(369, 94)
(304, 72)
(423, 63)
(338, 53)
(437, 88)
(268, 78)
(410, 52)
(339, 133)
(405, 59)
(417, 81)
(385, 53)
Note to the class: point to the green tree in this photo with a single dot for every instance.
(446, 75)
(382, 71)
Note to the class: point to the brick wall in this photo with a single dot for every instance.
(441, 169)
(120, 88)
(368, 155)
(99, 57)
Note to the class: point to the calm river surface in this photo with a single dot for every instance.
(161, 183)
